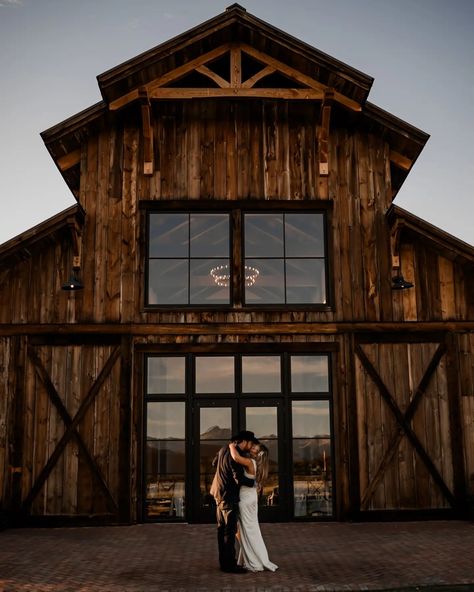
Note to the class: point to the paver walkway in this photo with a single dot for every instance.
(183, 558)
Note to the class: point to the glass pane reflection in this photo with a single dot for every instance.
(167, 281)
(269, 287)
(215, 374)
(215, 432)
(262, 421)
(309, 374)
(169, 235)
(166, 421)
(304, 235)
(261, 374)
(203, 288)
(312, 481)
(209, 235)
(264, 235)
(166, 375)
(311, 419)
(305, 281)
(165, 460)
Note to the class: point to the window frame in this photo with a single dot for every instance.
(236, 210)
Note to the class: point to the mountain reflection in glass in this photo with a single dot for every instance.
(263, 421)
(215, 427)
(183, 249)
(288, 249)
(312, 470)
(165, 461)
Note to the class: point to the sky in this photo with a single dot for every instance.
(420, 52)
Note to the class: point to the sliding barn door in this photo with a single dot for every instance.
(404, 426)
(74, 428)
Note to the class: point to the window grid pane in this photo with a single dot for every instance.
(288, 252)
(183, 251)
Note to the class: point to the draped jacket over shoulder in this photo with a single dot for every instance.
(228, 478)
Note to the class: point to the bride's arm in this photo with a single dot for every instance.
(242, 460)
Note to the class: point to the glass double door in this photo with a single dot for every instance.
(214, 424)
(194, 403)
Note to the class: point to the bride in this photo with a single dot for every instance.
(253, 553)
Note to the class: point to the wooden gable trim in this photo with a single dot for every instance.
(234, 18)
(20, 246)
(235, 86)
(400, 161)
(69, 160)
(402, 222)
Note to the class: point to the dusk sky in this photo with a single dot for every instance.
(420, 52)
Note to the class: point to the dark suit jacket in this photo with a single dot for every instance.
(228, 478)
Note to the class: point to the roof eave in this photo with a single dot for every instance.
(450, 245)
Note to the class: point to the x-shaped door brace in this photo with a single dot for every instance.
(71, 427)
(404, 428)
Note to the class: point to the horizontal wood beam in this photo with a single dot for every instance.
(402, 162)
(238, 92)
(69, 160)
(137, 329)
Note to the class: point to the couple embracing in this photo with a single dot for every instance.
(241, 470)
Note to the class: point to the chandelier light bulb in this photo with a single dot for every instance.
(221, 275)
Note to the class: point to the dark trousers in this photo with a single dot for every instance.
(227, 515)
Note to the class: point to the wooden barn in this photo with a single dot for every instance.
(235, 260)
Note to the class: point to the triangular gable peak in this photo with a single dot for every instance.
(245, 39)
(234, 56)
(234, 70)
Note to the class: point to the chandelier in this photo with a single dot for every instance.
(221, 275)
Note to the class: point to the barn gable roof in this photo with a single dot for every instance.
(234, 54)
(234, 26)
(22, 246)
(407, 224)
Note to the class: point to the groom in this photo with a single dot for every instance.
(225, 490)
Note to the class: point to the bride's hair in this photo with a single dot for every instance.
(262, 465)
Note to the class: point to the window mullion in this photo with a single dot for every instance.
(236, 262)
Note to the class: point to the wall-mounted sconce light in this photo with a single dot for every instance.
(398, 281)
(74, 283)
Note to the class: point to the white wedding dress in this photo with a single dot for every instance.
(253, 554)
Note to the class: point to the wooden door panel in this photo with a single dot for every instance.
(71, 434)
(403, 425)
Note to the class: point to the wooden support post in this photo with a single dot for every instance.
(76, 246)
(235, 67)
(125, 442)
(147, 129)
(395, 247)
(323, 132)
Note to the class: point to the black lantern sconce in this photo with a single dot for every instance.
(74, 283)
(398, 281)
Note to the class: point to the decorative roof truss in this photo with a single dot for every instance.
(234, 71)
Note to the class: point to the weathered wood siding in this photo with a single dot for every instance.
(227, 151)
(392, 474)
(72, 486)
(224, 150)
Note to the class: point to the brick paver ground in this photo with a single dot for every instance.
(183, 558)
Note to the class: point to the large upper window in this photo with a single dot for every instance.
(183, 250)
(288, 252)
(278, 258)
